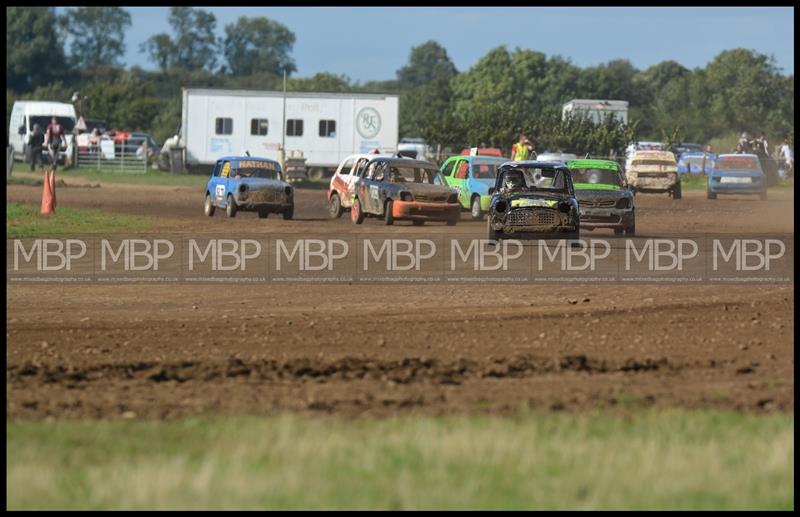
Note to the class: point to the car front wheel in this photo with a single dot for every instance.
(209, 206)
(356, 215)
(288, 213)
(475, 208)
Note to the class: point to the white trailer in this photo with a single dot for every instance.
(325, 127)
(597, 109)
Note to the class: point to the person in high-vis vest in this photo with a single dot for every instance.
(523, 150)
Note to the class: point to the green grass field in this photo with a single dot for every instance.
(26, 221)
(670, 459)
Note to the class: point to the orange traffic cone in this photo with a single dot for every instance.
(48, 195)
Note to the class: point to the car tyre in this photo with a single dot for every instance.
(231, 209)
(711, 195)
(263, 213)
(676, 190)
(288, 213)
(209, 207)
(335, 209)
(388, 215)
(475, 208)
(418, 222)
(618, 231)
(356, 214)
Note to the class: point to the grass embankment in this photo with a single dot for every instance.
(92, 175)
(26, 221)
(672, 459)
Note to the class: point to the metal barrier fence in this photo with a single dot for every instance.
(131, 156)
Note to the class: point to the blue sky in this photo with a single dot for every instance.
(372, 43)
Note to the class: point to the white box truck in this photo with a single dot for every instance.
(24, 114)
(325, 127)
(597, 109)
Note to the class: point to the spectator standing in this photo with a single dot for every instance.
(94, 140)
(523, 149)
(36, 144)
(787, 155)
(54, 139)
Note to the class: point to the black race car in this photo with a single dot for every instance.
(532, 197)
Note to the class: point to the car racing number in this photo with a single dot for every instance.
(373, 192)
(220, 192)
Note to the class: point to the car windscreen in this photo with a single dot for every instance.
(256, 172)
(596, 176)
(733, 163)
(67, 123)
(485, 168)
(412, 175)
(534, 178)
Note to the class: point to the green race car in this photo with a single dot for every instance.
(604, 197)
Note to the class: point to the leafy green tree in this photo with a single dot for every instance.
(160, 49)
(97, 35)
(195, 45)
(258, 44)
(427, 62)
(34, 54)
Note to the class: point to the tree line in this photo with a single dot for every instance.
(505, 92)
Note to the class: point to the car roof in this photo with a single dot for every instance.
(534, 163)
(591, 163)
(406, 162)
(236, 159)
(736, 154)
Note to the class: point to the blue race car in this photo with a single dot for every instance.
(249, 184)
(472, 176)
(692, 163)
(737, 174)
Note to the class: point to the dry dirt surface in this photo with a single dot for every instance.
(167, 351)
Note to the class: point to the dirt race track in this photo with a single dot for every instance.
(164, 351)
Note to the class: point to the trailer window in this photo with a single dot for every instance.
(259, 126)
(224, 126)
(327, 128)
(294, 127)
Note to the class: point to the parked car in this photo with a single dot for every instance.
(604, 198)
(696, 163)
(340, 189)
(532, 197)
(415, 148)
(681, 148)
(248, 184)
(737, 174)
(472, 176)
(654, 171)
(403, 189)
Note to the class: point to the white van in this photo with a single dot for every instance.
(25, 114)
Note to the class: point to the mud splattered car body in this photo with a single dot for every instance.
(654, 171)
(604, 198)
(249, 184)
(342, 184)
(403, 189)
(532, 197)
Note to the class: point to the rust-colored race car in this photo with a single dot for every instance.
(404, 189)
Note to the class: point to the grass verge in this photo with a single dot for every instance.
(91, 175)
(649, 459)
(26, 221)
